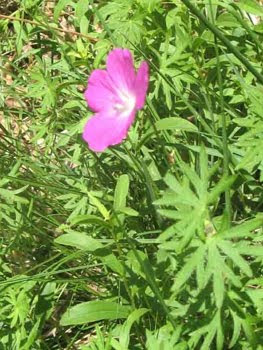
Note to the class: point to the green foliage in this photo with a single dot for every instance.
(155, 243)
(94, 311)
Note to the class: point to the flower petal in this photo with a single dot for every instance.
(106, 129)
(121, 70)
(141, 84)
(99, 92)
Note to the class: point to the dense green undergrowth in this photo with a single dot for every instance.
(155, 243)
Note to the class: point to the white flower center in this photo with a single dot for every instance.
(127, 103)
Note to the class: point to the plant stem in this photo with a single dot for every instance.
(71, 32)
(222, 38)
(153, 285)
(228, 208)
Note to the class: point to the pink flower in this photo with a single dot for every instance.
(114, 94)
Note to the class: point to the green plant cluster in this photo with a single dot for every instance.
(155, 243)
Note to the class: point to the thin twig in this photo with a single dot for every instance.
(72, 32)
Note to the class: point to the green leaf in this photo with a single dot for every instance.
(128, 211)
(232, 277)
(172, 182)
(109, 259)
(170, 18)
(219, 333)
(248, 249)
(93, 311)
(211, 332)
(81, 8)
(233, 253)
(150, 5)
(88, 219)
(252, 157)
(199, 185)
(237, 329)
(258, 28)
(175, 124)
(217, 263)
(223, 185)
(121, 192)
(83, 242)
(59, 7)
(126, 327)
(114, 343)
(243, 229)
(32, 336)
(200, 275)
(79, 241)
(249, 332)
(250, 6)
(183, 275)
(227, 20)
(11, 196)
(102, 209)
